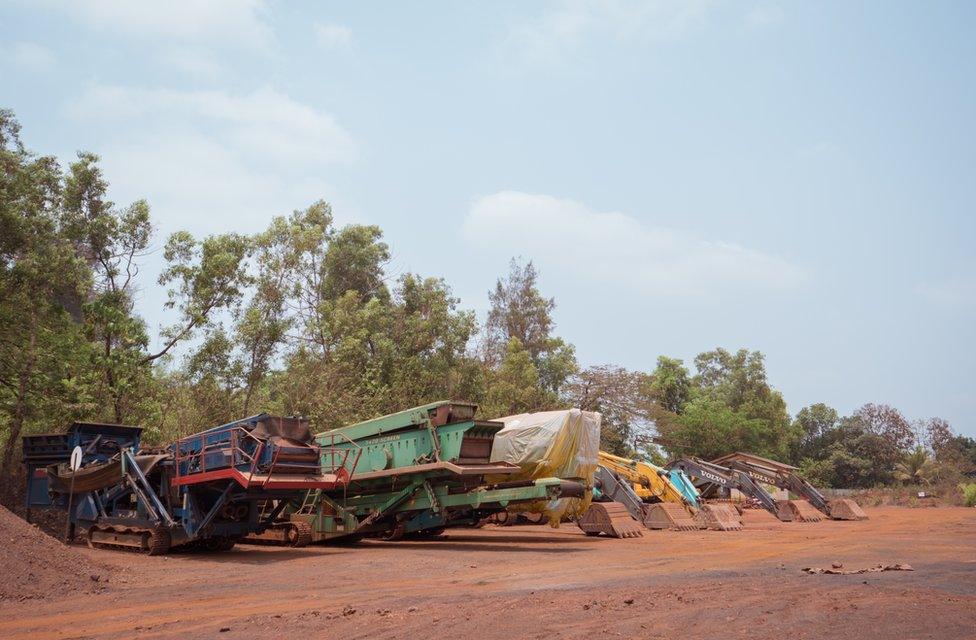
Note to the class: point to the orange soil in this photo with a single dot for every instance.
(537, 582)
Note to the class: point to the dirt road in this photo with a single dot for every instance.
(536, 582)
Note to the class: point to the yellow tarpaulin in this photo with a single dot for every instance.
(551, 444)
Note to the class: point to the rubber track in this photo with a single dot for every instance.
(117, 547)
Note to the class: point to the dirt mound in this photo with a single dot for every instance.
(35, 565)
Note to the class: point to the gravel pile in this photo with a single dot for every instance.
(35, 565)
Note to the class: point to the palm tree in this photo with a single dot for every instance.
(916, 467)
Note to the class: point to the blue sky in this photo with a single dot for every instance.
(790, 177)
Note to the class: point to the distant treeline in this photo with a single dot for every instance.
(303, 318)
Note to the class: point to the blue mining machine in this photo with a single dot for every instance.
(206, 490)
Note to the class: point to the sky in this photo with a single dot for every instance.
(795, 178)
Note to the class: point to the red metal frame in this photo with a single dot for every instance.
(247, 480)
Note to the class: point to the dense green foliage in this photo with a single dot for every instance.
(968, 493)
(303, 318)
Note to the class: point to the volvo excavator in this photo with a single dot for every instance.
(783, 476)
(670, 500)
(713, 479)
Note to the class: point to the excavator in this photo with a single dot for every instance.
(712, 479)
(616, 510)
(670, 499)
(650, 482)
(784, 476)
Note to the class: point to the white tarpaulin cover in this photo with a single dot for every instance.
(552, 444)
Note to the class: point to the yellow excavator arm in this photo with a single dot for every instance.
(650, 482)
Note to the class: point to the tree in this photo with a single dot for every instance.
(959, 452)
(916, 467)
(519, 311)
(671, 384)
(811, 427)
(739, 380)
(354, 261)
(839, 468)
(430, 338)
(728, 406)
(886, 422)
(42, 284)
(877, 436)
(622, 397)
(204, 276)
(262, 325)
(514, 387)
(937, 433)
(709, 428)
(215, 378)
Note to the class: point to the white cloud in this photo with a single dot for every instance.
(558, 33)
(211, 161)
(263, 123)
(332, 35)
(204, 21)
(619, 251)
(29, 56)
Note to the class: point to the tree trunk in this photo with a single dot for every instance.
(110, 380)
(20, 403)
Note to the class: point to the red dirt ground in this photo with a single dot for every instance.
(34, 565)
(536, 582)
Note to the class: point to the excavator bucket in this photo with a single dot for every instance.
(669, 515)
(803, 511)
(719, 516)
(610, 518)
(846, 509)
(784, 511)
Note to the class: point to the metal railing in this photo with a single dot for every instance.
(236, 447)
(191, 452)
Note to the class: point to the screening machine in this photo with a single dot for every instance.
(205, 490)
(99, 443)
(414, 473)
(784, 476)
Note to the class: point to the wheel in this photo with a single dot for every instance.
(396, 533)
(159, 541)
(427, 534)
(218, 543)
(226, 543)
(297, 534)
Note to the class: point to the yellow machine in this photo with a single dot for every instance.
(650, 482)
(670, 505)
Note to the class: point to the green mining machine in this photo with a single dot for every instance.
(413, 473)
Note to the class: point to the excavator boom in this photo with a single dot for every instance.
(784, 476)
(650, 482)
(665, 504)
(709, 473)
